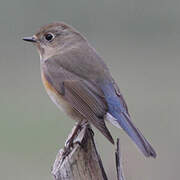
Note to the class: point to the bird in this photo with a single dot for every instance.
(79, 82)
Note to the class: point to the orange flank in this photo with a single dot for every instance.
(46, 84)
(54, 95)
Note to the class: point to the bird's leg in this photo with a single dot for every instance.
(90, 130)
(69, 141)
(72, 137)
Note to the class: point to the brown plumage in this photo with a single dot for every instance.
(78, 81)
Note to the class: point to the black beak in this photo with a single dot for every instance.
(30, 39)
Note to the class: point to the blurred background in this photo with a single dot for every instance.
(140, 42)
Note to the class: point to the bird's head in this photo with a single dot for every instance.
(53, 38)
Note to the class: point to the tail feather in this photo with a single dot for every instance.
(137, 137)
(134, 133)
(118, 109)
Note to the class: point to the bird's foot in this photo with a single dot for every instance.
(69, 144)
(91, 131)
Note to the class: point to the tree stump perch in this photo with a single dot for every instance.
(82, 161)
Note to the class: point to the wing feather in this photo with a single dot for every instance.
(81, 95)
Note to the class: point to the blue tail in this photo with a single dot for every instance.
(117, 109)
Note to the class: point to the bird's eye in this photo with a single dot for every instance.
(49, 37)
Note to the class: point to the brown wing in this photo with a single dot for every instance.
(82, 96)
